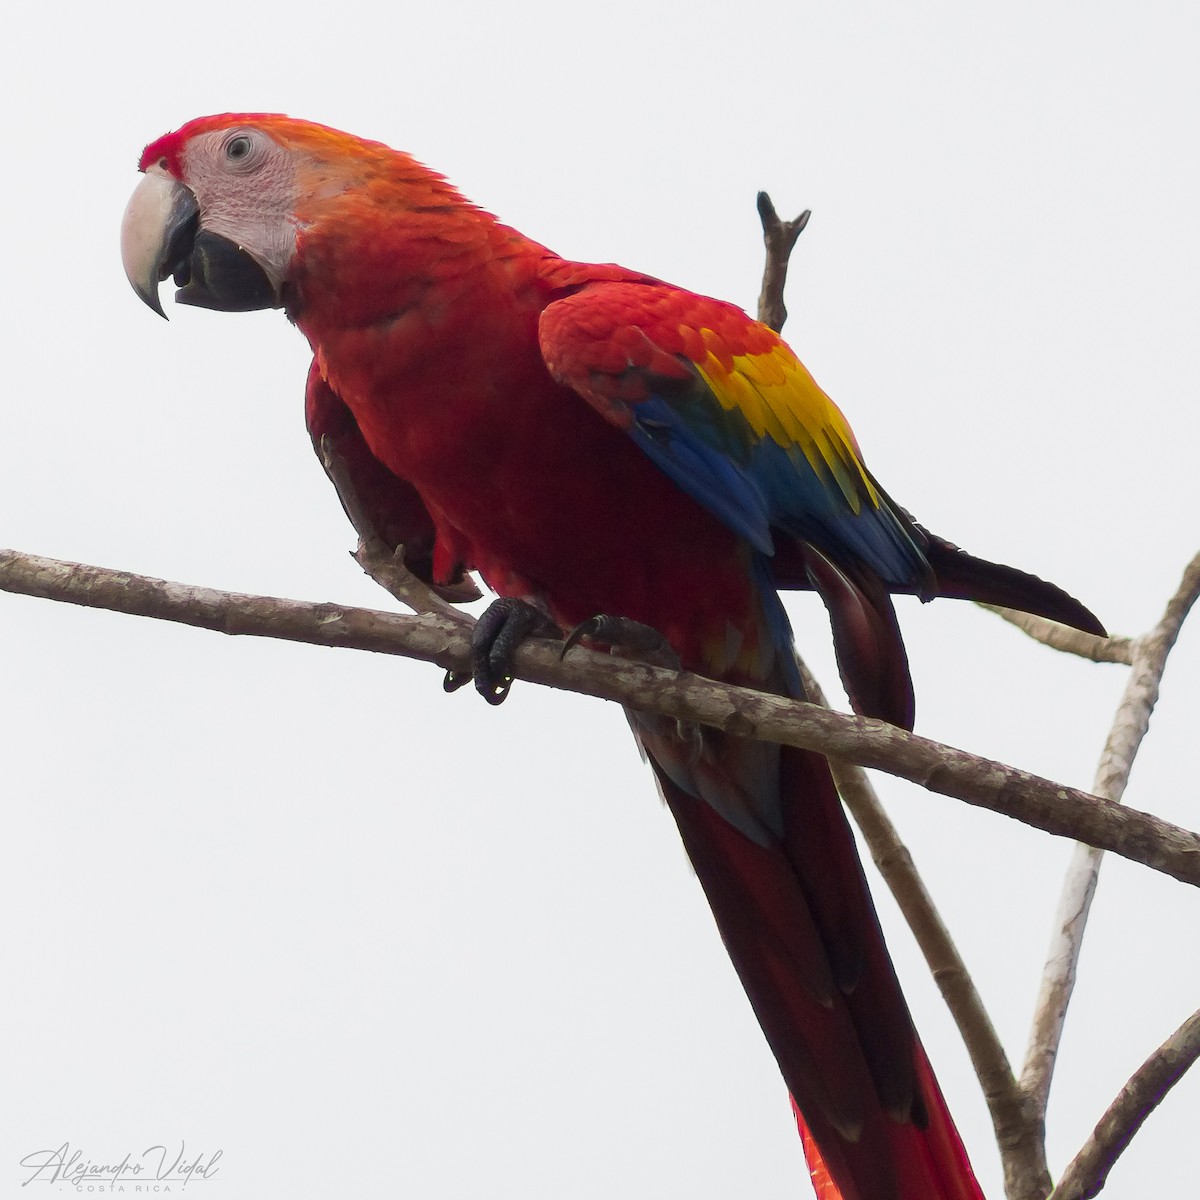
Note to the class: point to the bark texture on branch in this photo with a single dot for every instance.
(1088, 1172)
(1018, 1109)
(1068, 640)
(1021, 1141)
(779, 237)
(1130, 725)
(1066, 812)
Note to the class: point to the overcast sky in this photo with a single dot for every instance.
(371, 940)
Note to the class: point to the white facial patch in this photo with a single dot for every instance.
(250, 198)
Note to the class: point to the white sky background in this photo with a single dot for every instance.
(371, 940)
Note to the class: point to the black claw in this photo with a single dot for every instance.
(631, 638)
(585, 629)
(455, 679)
(496, 691)
(504, 625)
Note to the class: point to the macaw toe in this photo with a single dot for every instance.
(632, 639)
(505, 624)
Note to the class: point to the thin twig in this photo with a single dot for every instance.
(1068, 640)
(384, 565)
(1088, 1171)
(1021, 1141)
(1063, 811)
(1022, 1150)
(386, 568)
(895, 864)
(1129, 728)
(780, 238)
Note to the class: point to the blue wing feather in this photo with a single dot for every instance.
(755, 484)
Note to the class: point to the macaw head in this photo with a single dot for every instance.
(226, 202)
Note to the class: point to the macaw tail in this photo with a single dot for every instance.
(771, 845)
(866, 636)
(939, 1145)
(954, 575)
(962, 576)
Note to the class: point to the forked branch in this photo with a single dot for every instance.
(1088, 1172)
(1018, 1109)
(1129, 727)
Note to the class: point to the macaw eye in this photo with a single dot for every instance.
(238, 148)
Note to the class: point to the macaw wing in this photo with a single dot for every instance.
(376, 500)
(722, 405)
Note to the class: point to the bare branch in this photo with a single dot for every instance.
(1021, 1140)
(895, 863)
(385, 566)
(1063, 811)
(1088, 1172)
(388, 570)
(780, 239)
(1019, 1134)
(1022, 1147)
(1064, 638)
(1129, 728)
(1017, 1109)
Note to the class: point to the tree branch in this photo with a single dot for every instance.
(1019, 1133)
(780, 238)
(1018, 1110)
(1088, 1171)
(384, 565)
(1130, 725)
(1063, 811)
(1148, 656)
(1022, 1148)
(1064, 638)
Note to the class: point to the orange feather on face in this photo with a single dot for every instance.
(597, 441)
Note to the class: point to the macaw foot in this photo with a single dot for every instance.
(632, 639)
(505, 624)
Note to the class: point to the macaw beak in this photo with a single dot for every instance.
(157, 234)
(162, 236)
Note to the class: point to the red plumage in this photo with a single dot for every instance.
(546, 499)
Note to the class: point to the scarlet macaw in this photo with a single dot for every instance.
(591, 440)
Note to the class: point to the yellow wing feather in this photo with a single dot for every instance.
(779, 399)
